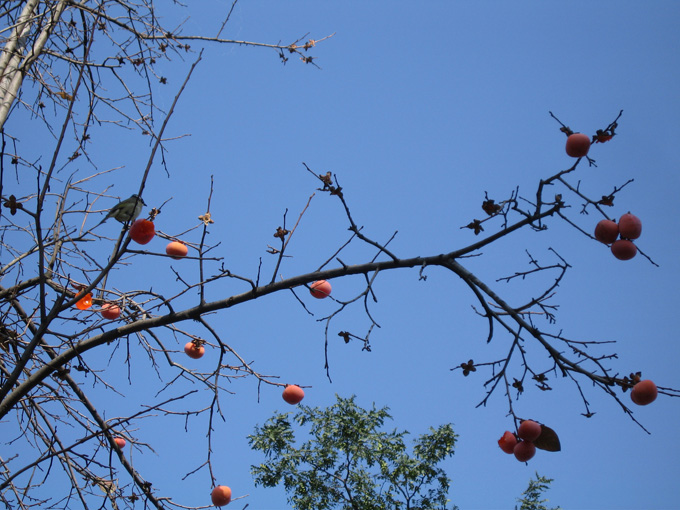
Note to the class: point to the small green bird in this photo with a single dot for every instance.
(125, 211)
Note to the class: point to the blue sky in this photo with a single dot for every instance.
(419, 109)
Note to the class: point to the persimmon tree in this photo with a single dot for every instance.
(80, 68)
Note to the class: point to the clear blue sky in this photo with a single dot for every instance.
(419, 109)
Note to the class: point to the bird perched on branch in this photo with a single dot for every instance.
(125, 211)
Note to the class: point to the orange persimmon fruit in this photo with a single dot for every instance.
(221, 495)
(293, 394)
(142, 231)
(84, 302)
(320, 289)
(578, 145)
(193, 350)
(110, 311)
(177, 250)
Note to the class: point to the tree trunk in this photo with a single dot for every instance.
(15, 61)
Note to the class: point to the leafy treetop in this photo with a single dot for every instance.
(349, 462)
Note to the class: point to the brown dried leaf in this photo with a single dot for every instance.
(490, 207)
(548, 440)
(281, 233)
(206, 219)
(607, 200)
(475, 225)
(13, 205)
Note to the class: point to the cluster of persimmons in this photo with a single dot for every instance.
(620, 237)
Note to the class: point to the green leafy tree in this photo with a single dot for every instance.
(530, 499)
(349, 462)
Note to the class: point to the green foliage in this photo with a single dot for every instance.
(530, 499)
(350, 463)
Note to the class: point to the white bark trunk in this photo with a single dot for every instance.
(15, 61)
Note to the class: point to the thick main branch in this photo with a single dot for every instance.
(443, 260)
